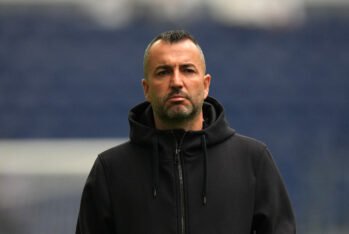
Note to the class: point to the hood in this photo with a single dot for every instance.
(216, 128)
(143, 131)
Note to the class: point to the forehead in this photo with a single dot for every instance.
(184, 51)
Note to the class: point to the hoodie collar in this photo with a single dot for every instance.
(216, 128)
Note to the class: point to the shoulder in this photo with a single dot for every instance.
(125, 146)
(127, 152)
(254, 151)
(249, 149)
(248, 143)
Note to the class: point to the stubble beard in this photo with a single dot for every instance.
(177, 113)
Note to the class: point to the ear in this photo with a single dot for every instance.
(146, 89)
(207, 82)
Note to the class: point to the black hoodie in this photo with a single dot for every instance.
(212, 181)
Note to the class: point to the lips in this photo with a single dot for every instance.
(176, 98)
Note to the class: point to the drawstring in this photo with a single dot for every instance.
(155, 167)
(204, 187)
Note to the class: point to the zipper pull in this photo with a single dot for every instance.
(177, 155)
(178, 151)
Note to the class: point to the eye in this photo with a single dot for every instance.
(162, 73)
(188, 70)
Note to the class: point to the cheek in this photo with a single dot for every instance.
(155, 93)
(159, 90)
(199, 90)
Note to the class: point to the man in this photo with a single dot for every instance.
(184, 169)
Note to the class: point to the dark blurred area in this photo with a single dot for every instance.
(65, 75)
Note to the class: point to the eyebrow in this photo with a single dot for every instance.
(188, 65)
(165, 66)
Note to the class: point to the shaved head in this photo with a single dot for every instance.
(170, 37)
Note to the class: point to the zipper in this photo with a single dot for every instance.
(181, 190)
(178, 160)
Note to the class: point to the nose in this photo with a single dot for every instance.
(176, 80)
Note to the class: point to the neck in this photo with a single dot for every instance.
(195, 124)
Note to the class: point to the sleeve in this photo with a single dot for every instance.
(95, 208)
(273, 213)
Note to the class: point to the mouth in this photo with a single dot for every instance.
(176, 98)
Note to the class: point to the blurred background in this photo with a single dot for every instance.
(71, 69)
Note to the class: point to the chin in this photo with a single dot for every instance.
(179, 111)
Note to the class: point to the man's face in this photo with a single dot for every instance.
(176, 84)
